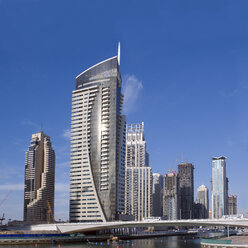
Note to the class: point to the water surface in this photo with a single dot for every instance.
(163, 242)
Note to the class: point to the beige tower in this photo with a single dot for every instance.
(39, 180)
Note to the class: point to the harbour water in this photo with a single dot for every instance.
(163, 242)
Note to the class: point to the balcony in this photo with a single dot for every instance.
(105, 119)
(105, 142)
(92, 95)
(105, 96)
(105, 107)
(105, 101)
(104, 184)
(105, 90)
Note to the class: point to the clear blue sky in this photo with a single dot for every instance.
(184, 65)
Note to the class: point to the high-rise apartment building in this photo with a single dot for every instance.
(219, 188)
(232, 205)
(157, 195)
(97, 172)
(171, 204)
(203, 202)
(138, 201)
(138, 189)
(186, 188)
(39, 180)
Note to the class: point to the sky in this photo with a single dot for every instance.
(184, 71)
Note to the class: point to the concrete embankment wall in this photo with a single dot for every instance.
(207, 245)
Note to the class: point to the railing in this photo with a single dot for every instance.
(53, 235)
(216, 241)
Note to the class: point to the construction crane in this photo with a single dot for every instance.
(5, 198)
(1, 203)
(50, 213)
(1, 220)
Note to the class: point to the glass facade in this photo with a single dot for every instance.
(157, 195)
(202, 201)
(219, 188)
(186, 188)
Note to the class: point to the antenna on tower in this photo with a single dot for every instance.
(119, 53)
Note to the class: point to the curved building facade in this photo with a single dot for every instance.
(97, 172)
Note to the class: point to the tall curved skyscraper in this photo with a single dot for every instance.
(97, 186)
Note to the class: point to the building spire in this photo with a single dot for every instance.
(119, 53)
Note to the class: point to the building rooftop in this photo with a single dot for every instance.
(202, 187)
(102, 70)
(218, 158)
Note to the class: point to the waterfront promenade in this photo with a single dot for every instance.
(233, 241)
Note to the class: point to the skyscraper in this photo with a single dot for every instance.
(157, 195)
(186, 188)
(202, 200)
(171, 204)
(138, 192)
(219, 188)
(232, 205)
(39, 180)
(97, 186)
